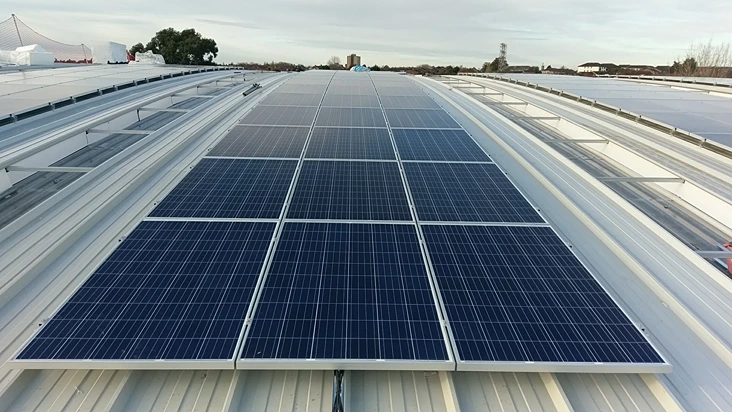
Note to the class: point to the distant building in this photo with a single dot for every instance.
(353, 60)
(562, 70)
(521, 69)
(593, 67)
(640, 69)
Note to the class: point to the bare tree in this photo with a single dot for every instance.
(712, 60)
(334, 62)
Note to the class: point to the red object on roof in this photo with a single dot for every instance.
(728, 245)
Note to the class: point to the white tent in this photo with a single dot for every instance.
(107, 52)
(32, 55)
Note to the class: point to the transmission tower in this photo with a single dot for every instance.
(502, 63)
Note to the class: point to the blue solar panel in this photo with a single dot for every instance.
(350, 143)
(420, 118)
(281, 116)
(436, 144)
(351, 117)
(230, 188)
(349, 190)
(472, 192)
(519, 294)
(171, 290)
(408, 102)
(292, 99)
(346, 291)
(294, 88)
(350, 100)
(399, 90)
(262, 141)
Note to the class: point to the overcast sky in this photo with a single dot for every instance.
(399, 32)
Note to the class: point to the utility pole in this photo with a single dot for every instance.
(502, 64)
(15, 21)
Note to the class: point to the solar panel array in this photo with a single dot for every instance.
(348, 221)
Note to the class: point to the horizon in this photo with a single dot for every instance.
(410, 34)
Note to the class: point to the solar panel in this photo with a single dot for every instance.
(400, 90)
(518, 294)
(338, 291)
(262, 141)
(230, 188)
(408, 102)
(350, 143)
(438, 144)
(350, 100)
(280, 115)
(353, 117)
(292, 99)
(474, 192)
(171, 291)
(317, 89)
(366, 89)
(349, 190)
(420, 118)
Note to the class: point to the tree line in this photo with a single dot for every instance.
(186, 47)
(705, 60)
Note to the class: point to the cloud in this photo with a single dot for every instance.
(463, 32)
(240, 24)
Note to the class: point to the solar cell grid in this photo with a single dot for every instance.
(408, 102)
(262, 141)
(350, 191)
(366, 89)
(170, 291)
(292, 99)
(350, 143)
(280, 115)
(438, 145)
(230, 188)
(518, 294)
(346, 292)
(354, 117)
(399, 91)
(423, 118)
(468, 192)
(300, 89)
(350, 100)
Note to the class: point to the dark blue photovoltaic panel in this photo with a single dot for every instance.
(262, 141)
(349, 190)
(350, 143)
(171, 290)
(346, 291)
(351, 117)
(437, 144)
(408, 102)
(293, 88)
(399, 90)
(518, 294)
(474, 192)
(362, 88)
(281, 116)
(350, 100)
(230, 188)
(420, 118)
(292, 99)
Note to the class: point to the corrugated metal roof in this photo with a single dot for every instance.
(477, 391)
(694, 383)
